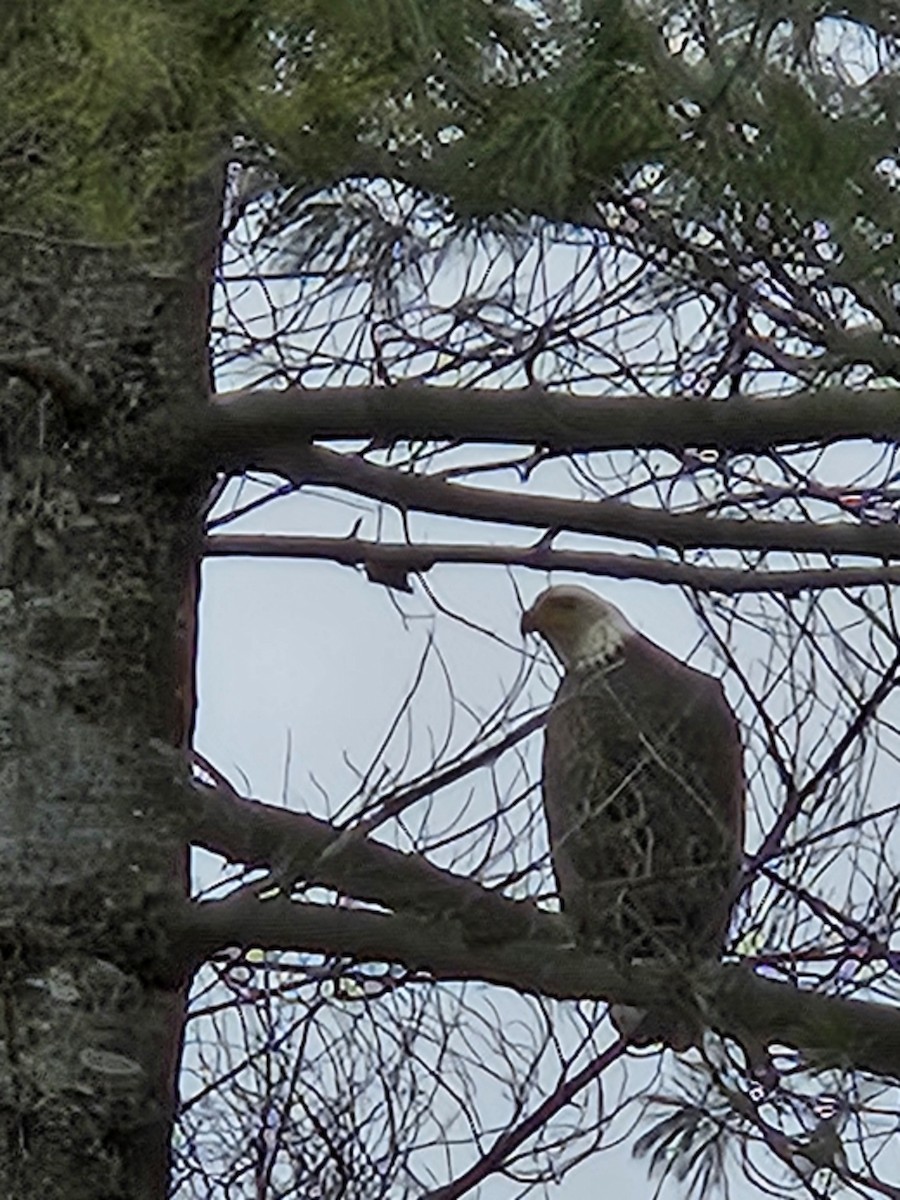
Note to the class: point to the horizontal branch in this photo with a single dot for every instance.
(452, 928)
(304, 847)
(535, 417)
(829, 1030)
(391, 563)
(604, 518)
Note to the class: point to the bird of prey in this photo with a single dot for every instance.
(643, 791)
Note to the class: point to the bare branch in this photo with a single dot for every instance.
(607, 518)
(771, 845)
(402, 559)
(394, 805)
(259, 834)
(512, 1139)
(829, 1030)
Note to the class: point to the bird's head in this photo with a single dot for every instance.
(581, 627)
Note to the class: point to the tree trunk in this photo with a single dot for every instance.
(97, 537)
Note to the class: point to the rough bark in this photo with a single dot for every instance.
(96, 547)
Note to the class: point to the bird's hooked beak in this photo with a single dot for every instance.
(539, 617)
(542, 617)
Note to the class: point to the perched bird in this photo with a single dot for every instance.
(643, 791)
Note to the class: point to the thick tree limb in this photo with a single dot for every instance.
(238, 421)
(69, 387)
(455, 930)
(386, 560)
(830, 1031)
(303, 847)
